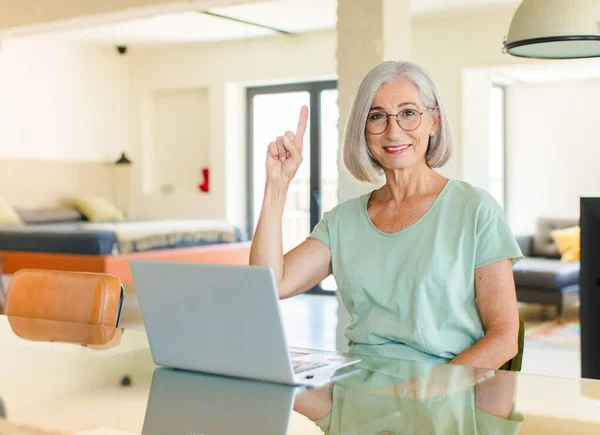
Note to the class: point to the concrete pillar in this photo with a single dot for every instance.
(368, 32)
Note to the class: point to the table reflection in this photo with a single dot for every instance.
(194, 403)
(403, 397)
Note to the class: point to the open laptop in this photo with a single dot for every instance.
(225, 320)
(183, 402)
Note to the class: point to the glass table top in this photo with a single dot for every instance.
(73, 378)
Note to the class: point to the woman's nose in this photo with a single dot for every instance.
(393, 131)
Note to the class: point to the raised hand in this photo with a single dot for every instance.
(285, 154)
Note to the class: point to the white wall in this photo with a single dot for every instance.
(475, 126)
(180, 121)
(224, 69)
(553, 150)
(62, 101)
(445, 46)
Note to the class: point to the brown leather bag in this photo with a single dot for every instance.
(76, 297)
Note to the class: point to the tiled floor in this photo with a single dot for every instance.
(310, 321)
(546, 358)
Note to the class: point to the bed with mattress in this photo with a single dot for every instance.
(108, 246)
(57, 215)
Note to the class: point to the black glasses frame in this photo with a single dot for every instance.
(387, 120)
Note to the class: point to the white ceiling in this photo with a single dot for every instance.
(290, 15)
(166, 29)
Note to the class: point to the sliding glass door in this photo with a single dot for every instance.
(271, 111)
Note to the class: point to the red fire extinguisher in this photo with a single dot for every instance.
(204, 185)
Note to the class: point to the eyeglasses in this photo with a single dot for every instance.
(407, 119)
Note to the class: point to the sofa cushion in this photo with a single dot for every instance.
(569, 243)
(543, 243)
(50, 215)
(98, 209)
(545, 273)
(525, 243)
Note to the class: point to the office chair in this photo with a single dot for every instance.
(514, 365)
(74, 297)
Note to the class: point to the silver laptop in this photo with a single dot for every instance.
(183, 402)
(225, 320)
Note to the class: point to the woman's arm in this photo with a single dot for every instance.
(496, 395)
(497, 304)
(315, 403)
(304, 267)
(310, 262)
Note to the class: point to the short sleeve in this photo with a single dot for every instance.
(495, 240)
(321, 230)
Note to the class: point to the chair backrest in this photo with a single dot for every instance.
(514, 365)
(94, 336)
(2, 290)
(76, 297)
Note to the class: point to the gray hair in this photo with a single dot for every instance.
(356, 156)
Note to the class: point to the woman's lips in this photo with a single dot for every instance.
(396, 149)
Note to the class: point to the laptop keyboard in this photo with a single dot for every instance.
(302, 366)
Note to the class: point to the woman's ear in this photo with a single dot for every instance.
(436, 120)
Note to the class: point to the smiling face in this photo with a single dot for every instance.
(396, 148)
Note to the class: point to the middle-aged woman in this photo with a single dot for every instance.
(423, 263)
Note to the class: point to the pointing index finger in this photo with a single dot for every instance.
(302, 122)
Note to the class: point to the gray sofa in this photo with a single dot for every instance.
(540, 277)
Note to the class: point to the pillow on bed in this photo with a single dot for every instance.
(8, 216)
(98, 209)
(50, 215)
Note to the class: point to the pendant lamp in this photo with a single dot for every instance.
(555, 29)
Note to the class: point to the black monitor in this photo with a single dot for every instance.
(589, 287)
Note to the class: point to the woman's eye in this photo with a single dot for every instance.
(376, 116)
(409, 113)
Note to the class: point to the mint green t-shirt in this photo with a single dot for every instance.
(411, 294)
